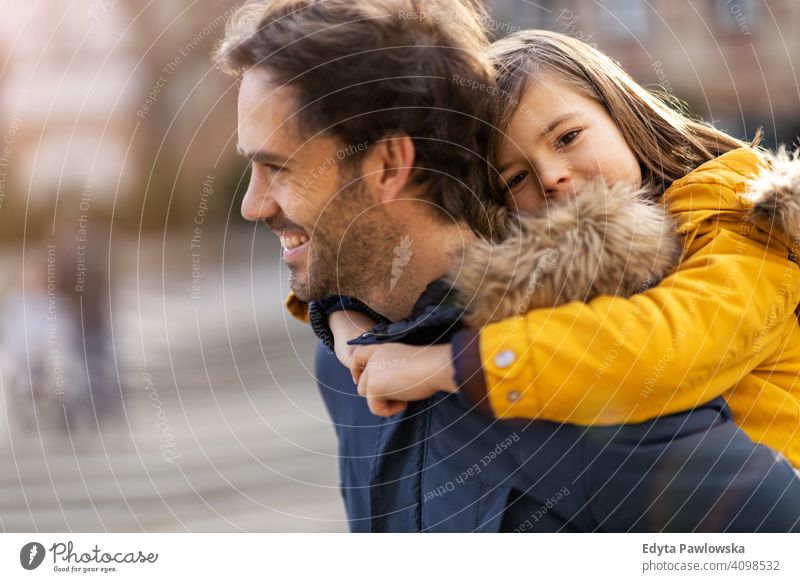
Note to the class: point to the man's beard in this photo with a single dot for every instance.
(350, 247)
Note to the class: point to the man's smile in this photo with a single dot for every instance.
(293, 244)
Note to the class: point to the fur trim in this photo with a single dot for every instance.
(775, 193)
(612, 242)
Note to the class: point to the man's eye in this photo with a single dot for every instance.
(516, 180)
(271, 169)
(568, 137)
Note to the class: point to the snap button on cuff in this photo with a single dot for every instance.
(504, 359)
(513, 395)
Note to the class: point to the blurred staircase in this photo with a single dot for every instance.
(224, 382)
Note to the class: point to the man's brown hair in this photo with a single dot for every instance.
(365, 69)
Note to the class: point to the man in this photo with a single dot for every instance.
(365, 124)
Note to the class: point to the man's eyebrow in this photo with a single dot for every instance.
(262, 157)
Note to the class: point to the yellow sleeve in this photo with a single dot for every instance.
(618, 360)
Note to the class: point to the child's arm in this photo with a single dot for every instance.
(347, 325)
(615, 360)
(334, 320)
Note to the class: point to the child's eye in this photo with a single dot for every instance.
(568, 137)
(516, 180)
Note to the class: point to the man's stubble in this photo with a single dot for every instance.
(351, 247)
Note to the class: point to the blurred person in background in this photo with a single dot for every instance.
(28, 364)
(91, 395)
(56, 354)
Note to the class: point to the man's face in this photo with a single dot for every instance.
(305, 192)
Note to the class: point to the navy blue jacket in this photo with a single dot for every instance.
(441, 465)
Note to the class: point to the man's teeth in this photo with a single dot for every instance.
(290, 242)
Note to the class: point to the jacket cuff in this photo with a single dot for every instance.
(468, 373)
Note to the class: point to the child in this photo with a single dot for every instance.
(722, 322)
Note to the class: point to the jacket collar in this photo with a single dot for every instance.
(603, 241)
(434, 319)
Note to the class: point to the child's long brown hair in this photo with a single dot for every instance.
(667, 142)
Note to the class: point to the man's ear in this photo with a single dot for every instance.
(387, 166)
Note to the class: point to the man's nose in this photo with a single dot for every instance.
(258, 204)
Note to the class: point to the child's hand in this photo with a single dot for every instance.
(389, 375)
(347, 325)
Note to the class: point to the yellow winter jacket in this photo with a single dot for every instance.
(722, 322)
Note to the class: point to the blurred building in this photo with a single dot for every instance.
(111, 104)
(114, 104)
(734, 61)
(112, 108)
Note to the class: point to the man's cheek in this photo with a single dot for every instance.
(300, 190)
(285, 196)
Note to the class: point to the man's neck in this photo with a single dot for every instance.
(423, 255)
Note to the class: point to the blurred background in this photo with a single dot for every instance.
(151, 380)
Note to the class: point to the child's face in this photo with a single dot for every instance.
(558, 140)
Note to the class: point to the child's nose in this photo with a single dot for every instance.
(555, 181)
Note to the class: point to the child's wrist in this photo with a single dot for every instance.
(443, 366)
(347, 325)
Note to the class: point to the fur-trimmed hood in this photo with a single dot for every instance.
(609, 242)
(775, 195)
(599, 242)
